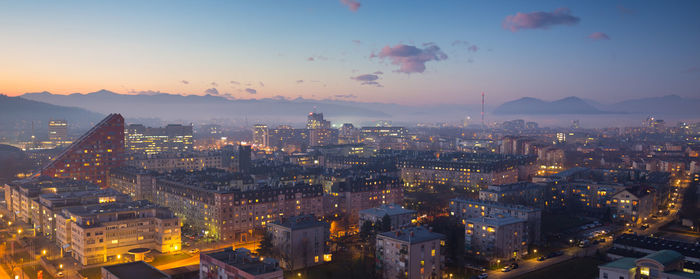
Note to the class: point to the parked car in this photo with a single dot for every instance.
(541, 258)
(555, 254)
(514, 266)
(483, 276)
(506, 269)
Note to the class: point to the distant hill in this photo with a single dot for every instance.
(195, 107)
(533, 106)
(17, 114)
(666, 105)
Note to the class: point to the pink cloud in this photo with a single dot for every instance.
(410, 58)
(368, 79)
(352, 4)
(599, 36)
(539, 20)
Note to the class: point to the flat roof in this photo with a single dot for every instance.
(413, 235)
(622, 263)
(387, 209)
(138, 269)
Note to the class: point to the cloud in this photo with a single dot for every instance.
(624, 10)
(598, 36)
(214, 84)
(368, 79)
(212, 91)
(235, 82)
(357, 42)
(185, 82)
(352, 4)
(410, 58)
(300, 81)
(539, 20)
(251, 91)
(310, 59)
(470, 47)
(473, 48)
(378, 73)
(692, 70)
(346, 96)
(262, 84)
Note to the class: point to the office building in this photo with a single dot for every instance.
(323, 137)
(154, 140)
(299, 241)
(261, 135)
(58, 131)
(133, 181)
(106, 232)
(239, 263)
(496, 237)
(411, 253)
(91, 156)
(316, 121)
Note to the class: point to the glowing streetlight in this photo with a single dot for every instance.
(43, 252)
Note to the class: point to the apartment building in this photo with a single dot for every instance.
(465, 209)
(239, 263)
(105, 232)
(299, 241)
(496, 237)
(411, 253)
(399, 216)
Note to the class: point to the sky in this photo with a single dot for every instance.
(406, 52)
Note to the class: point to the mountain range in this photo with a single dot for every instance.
(666, 105)
(18, 114)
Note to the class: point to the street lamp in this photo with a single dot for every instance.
(43, 252)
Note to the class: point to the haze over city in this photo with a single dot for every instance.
(343, 139)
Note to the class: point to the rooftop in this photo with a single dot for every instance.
(495, 221)
(622, 263)
(496, 204)
(300, 222)
(665, 257)
(387, 209)
(413, 235)
(135, 270)
(242, 259)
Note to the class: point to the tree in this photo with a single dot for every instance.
(386, 223)
(265, 248)
(366, 230)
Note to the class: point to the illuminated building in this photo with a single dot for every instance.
(323, 137)
(413, 253)
(471, 170)
(168, 161)
(148, 140)
(299, 241)
(466, 209)
(496, 237)
(316, 121)
(261, 135)
(633, 205)
(239, 263)
(230, 206)
(384, 137)
(133, 181)
(348, 134)
(667, 264)
(58, 131)
(289, 140)
(524, 193)
(106, 232)
(92, 155)
(349, 194)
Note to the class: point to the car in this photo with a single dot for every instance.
(59, 274)
(644, 227)
(514, 265)
(506, 269)
(483, 276)
(541, 258)
(193, 251)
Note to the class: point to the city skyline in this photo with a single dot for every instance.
(367, 51)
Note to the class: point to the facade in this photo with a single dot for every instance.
(497, 237)
(633, 205)
(104, 232)
(289, 140)
(465, 209)
(316, 121)
(410, 253)
(468, 170)
(148, 140)
(92, 155)
(348, 195)
(399, 216)
(323, 137)
(58, 130)
(261, 135)
(385, 137)
(133, 181)
(239, 263)
(22, 197)
(667, 264)
(524, 193)
(229, 206)
(299, 241)
(168, 161)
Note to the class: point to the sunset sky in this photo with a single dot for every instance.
(409, 52)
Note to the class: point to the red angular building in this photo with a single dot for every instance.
(92, 156)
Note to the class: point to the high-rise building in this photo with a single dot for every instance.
(92, 155)
(148, 140)
(58, 130)
(323, 137)
(261, 135)
(316, 121)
